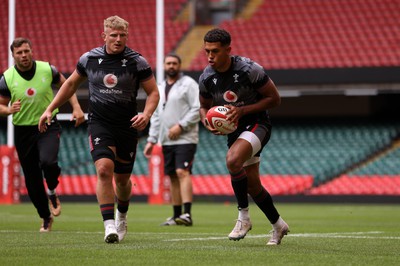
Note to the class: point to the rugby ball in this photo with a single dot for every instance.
(216, 118)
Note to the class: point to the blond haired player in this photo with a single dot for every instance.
(114, 72)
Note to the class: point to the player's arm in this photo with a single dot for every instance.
(77, 114)
(205, 105)
(206, 102)
(4, 108)
(153, 133)
(271, 99)
(9, 110)
(66, 91)
(140, 121)
(5, 98)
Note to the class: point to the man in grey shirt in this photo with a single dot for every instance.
(175, 125)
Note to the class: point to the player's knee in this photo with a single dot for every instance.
(123, 167)
(182, 173)
(104, 167)
(104, 170)
(233, 163)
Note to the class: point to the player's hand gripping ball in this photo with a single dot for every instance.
(216, 118)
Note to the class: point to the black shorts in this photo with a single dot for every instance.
(124, 140)
(178, 157)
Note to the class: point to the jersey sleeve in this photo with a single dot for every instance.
(202, 88)
(4, 91)
(257, 75)
(55, 74)
(81, 66)
(143, 68)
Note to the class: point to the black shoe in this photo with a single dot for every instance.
(184, 219)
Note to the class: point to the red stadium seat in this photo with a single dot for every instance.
(72, 27)
(319, 34)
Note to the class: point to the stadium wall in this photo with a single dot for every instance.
(350, 92)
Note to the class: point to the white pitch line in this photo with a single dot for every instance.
(354, 235)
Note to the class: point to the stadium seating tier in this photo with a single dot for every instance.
(282, 34)
(61, 31)
(292, 34)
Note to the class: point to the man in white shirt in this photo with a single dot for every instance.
(175, 125)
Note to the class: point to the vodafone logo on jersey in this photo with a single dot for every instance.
(110, 80)
(30, 92)
(230, 97)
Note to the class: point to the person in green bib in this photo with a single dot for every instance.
(25, 92)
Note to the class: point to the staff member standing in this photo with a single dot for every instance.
(175, 126)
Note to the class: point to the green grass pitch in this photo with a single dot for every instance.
(320, 234)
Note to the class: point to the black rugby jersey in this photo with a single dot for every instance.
(237, 86)
(114, 81)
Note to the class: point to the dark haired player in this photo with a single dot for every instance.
(243, 86)
(27, 86)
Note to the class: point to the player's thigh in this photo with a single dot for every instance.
(98, 134)
(100, 141)
(126, 145)
(49, 144)
(238, 153)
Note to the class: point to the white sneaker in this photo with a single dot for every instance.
(278, 234)
(121, 224)
(111, 235)
(169, 221)
(240, 230)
